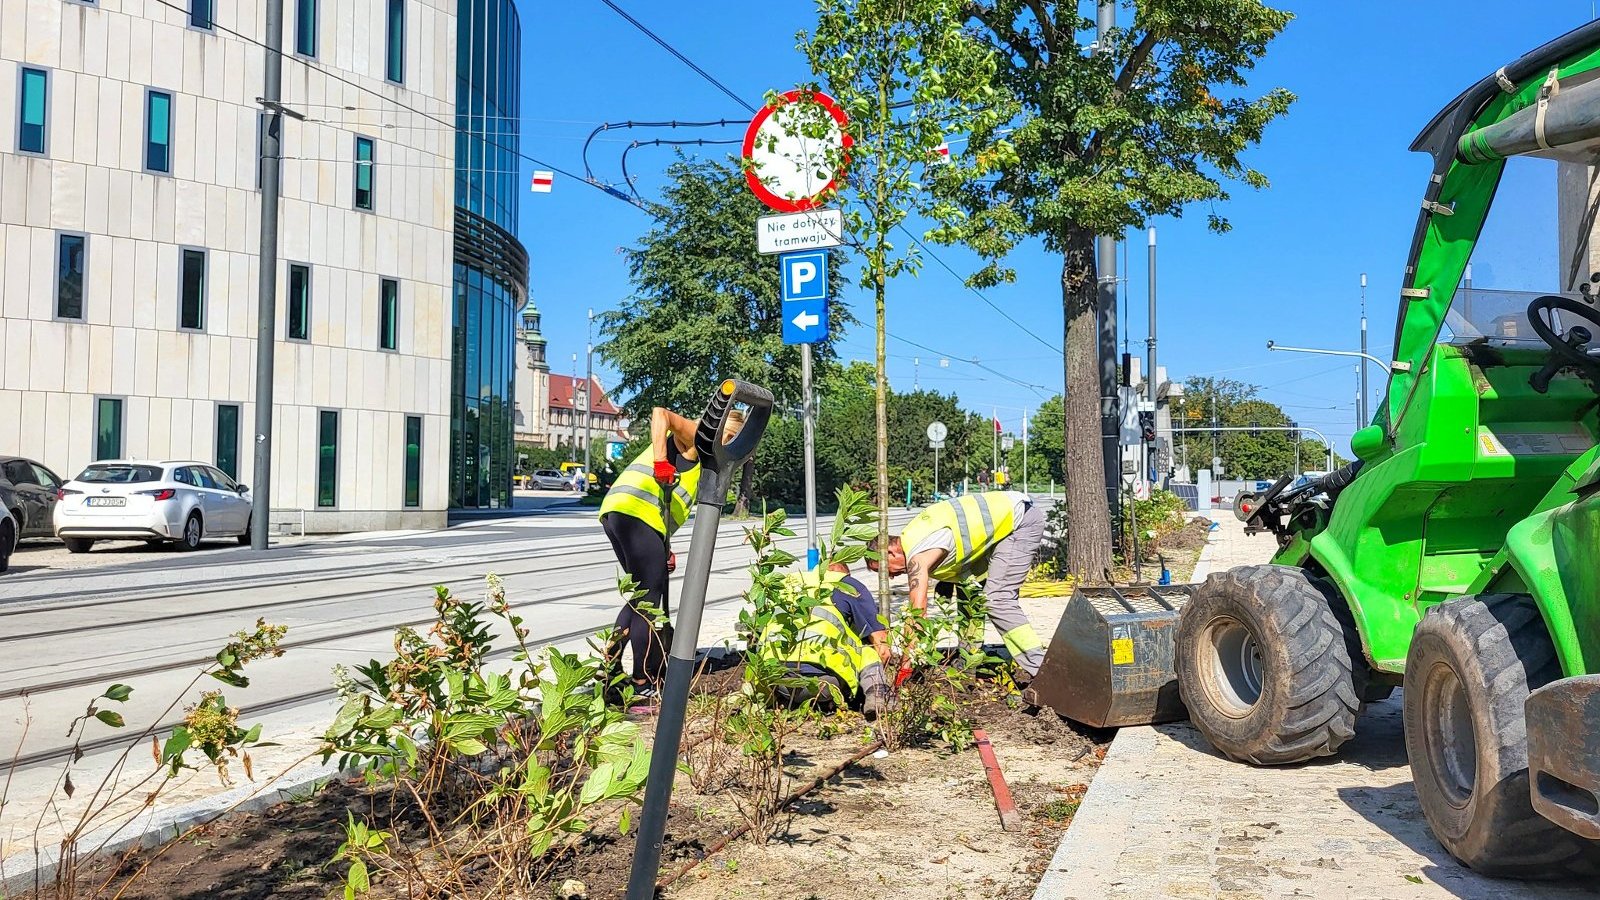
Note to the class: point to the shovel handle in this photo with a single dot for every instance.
(723, 458)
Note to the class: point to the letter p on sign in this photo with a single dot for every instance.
(805, 275)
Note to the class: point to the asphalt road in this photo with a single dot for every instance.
(152, 620)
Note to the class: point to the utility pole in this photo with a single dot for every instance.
(1025, 452)
(267, 277)
(808, 418)
(1361, 408)
(916, 374)
(588, 402)
(1150, 342)
(1106, 318)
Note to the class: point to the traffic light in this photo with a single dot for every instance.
(1147, 426)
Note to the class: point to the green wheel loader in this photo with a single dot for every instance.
(1459, 556)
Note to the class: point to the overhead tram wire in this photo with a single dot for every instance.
(697, 142)
(681, 58)
(671, 123)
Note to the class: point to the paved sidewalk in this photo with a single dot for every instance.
(1168, 818)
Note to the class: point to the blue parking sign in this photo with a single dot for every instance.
(805, 275)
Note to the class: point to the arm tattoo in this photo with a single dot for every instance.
(914, 573)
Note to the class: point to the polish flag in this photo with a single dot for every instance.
(997, 428)
(941, 153)
(543, 182)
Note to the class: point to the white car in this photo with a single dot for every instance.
(9, 536)
(182, 501)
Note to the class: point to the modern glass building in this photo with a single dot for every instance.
(491, 265)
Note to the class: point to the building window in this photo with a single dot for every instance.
(228, 439)
(200, 14)
(192, 290)
(158, 131)
(327, 458)
(389, 314)
(108, 428)
(413, 495)
(305, 27)
(71, 253)
(395, 46)
(299, 303)
(34, 103)
(366, 151)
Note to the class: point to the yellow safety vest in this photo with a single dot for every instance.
(978, 521)
(826, 640)
(636, 493)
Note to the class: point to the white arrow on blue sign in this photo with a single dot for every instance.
(805, 296)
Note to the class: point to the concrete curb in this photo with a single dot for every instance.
(1106, 791)
(156, 827)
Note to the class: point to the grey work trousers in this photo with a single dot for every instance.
(1008, 568)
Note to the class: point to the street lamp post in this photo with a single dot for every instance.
(1387, 367)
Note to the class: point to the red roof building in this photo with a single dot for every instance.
(566, 406)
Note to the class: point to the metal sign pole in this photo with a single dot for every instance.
(808, 415)
(718, 463)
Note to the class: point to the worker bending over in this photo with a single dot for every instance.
(993, 534)
(842, 650)
(649, 501)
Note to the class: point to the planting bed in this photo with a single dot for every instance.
(917, 823)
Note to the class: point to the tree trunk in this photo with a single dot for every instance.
(883, 444)
(747, 484)
(1089, 528)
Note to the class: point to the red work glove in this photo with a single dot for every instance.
(672, 562)
(666, 472)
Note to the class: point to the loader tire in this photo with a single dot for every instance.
(1265, 668)
(1470, 669)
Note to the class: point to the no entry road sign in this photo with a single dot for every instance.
(792, 167)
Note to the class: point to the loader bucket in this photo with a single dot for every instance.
(1111, 661)
(1564, 753)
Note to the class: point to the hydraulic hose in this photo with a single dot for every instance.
(1334, 482)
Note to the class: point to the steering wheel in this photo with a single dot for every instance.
(1569, 349)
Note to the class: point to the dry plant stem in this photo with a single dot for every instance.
(722, 842)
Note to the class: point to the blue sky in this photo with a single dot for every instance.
(1344, 195)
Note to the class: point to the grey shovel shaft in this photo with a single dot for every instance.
(718, 461)
(674, 704)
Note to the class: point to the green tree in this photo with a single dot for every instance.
(908, 77)
(706, 305)
(1150, 123)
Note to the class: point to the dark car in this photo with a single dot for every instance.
(28, 490)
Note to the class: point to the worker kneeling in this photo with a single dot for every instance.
(839, 652)
(993, 534)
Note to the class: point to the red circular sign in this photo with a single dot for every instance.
(789, 202)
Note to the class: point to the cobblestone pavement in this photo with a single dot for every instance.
(1167, 818)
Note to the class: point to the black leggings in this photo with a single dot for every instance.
(642, 552)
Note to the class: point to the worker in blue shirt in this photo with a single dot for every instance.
(843, 662)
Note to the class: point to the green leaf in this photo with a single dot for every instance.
(253, 735)
(1413, 879)
(468, 746)
(118, 692)
(110, 718)
(357, 881)
(625, 822)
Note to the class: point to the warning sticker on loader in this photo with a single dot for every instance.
(1121, 646)
(1533, 443)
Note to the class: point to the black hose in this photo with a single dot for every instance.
(1334, 482)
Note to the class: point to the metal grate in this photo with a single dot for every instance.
(1138, 601)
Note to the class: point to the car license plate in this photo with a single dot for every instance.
(107, 501)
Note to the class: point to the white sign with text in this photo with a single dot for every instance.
(810, 230)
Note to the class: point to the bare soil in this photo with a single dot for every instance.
(917, 823)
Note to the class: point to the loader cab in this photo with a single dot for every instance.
(1469, 446)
